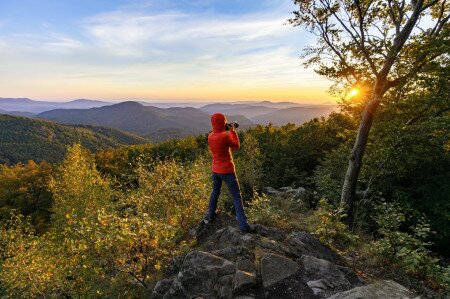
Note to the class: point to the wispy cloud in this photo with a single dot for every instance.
(150, 49)
(126, 32)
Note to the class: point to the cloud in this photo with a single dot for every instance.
(143, 47)
(126, 33)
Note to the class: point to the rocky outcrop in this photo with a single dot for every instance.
(274, 268)
(381, 289)
(267, 264)
(287, 191)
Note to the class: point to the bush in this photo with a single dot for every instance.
(262, 210)
(101, 242)
(406, 249)
(24, 187)
(329, 226)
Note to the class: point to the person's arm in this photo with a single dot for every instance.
(233, 140)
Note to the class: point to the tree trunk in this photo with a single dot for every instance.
(348, 194)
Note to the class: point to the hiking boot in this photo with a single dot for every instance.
(249, 230)
(209, 218)
(205, 221)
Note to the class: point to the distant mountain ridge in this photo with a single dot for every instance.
(296, 115)
(23, 139)
(146, 121)
(161, 121)
(244, 109)
(28, 105)
(18, 113)
(290, 113)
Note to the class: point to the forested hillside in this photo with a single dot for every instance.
(23, 139)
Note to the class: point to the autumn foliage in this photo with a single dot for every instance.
(102, 241)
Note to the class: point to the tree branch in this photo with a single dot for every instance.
(425, 7)
(327, 40)
(355, 39)
(400, 39)
(400, 80)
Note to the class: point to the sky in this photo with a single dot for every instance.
(165, 50)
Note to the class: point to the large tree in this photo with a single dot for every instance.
(372, 46)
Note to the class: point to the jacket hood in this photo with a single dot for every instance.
(218, 121)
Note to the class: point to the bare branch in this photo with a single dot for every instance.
(355, 39)
(330, 44)
(393, 18)
(400, 39)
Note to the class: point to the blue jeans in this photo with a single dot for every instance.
(233, 187)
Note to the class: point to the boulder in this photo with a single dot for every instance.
(385, 289)
(286, 191)
(326, 278)
(267, 264)
(271, 191)
(301, 191)
(203, 275)
(244, 264)
(204, 231)
(229, 236)
(233, 252)
(302, 243)
(273, 246)
(292, 287)
(161, 288)
(243, 280)
(274, 268)
(272, 233)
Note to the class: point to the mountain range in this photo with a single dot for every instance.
(163, 122)
(296, 115)
(31, 106)
(146, 121)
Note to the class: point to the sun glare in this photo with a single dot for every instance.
(353, 92)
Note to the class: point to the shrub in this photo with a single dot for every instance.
(262, 210)
(100, 242)
(329, 226)
(406, 249)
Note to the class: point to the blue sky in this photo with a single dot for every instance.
(156, 50)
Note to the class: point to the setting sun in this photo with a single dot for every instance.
(353, 92)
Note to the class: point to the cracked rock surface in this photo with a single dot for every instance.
(267, 264)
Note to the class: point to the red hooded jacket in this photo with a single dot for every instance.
(220, 143)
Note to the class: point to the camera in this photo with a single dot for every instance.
(228, 125)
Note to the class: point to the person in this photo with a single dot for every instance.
(221, 143)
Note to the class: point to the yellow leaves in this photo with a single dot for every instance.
(101, 235)
(158, 266)
(102, 219)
